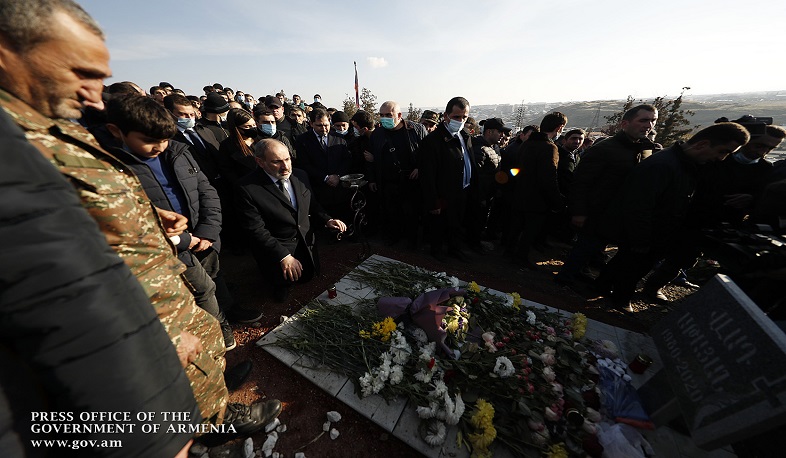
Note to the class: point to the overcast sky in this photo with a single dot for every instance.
(425, 52)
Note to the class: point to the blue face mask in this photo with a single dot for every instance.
(342, 132)
(186, 123)
(268, 129)
(387, 123)
(454, 126)
(355, 132)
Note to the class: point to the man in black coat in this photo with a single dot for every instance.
(77, 330)
(448, 178)
(325, 157)
(277, 207)
(650, 209)
(536, 192)
(597, 180)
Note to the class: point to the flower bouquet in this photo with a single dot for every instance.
(505, 375)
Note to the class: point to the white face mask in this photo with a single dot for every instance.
(223, 117)
(356, 132)
(454, 126)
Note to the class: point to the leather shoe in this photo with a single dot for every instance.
(247, 420)
(235, 376)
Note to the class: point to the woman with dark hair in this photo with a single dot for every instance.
(237, 151)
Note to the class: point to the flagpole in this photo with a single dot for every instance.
(357, 96)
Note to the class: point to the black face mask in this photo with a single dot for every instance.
(249, 132)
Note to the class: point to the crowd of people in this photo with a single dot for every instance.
(114, 262)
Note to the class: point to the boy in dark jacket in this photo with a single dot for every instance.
(173, 181)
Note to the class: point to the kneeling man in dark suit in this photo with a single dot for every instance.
(278, 209)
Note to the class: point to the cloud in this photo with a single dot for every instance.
(377, 62)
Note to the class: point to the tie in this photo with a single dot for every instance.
(196, 141)
(324, 143)
(281, 187)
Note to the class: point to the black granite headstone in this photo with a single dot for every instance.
(726, 363)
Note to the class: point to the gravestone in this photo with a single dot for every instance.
(726, 364)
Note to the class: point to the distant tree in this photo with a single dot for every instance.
(349, 105)
(414, 113)
(673, 124)
(368, 102)
(613, 120)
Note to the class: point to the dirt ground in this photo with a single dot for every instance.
(305, 405)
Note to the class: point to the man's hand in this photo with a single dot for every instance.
(291, 268)
(336, 224)
(368, 156)
(332, 180)
(188, 348)
(194, 241)
(738, 201)
(203, 245)
(174, 223)
(414, 175)
(578, 221)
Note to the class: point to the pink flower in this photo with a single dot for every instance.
(550, 415)
(488, 338)
(548, 359)
(557, 388)
(550, 330)
(535, 425)
(549, 374)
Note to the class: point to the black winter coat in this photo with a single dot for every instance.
(535, 187)
(441, 169)
(204, 208)
(77, 331)
(602, 171)
(652, 204)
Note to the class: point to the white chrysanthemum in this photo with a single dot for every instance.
(429, 411)
(420, 336)
(430, 288)
(435, 433)
(531, 317)
(453, 282)
(427, 351)
(377, 384)
(424, 375)
(454, 410)
(508, 300)
(440, 389)
(400, 356)
(365, 384)
(504, 367)
(396, 375)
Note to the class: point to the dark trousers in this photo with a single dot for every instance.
(209, 260)
(525, 229)
(203, 288)
(587, 247)
(401, 209)
(273, 276)
(445, 228)
(623, 272)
